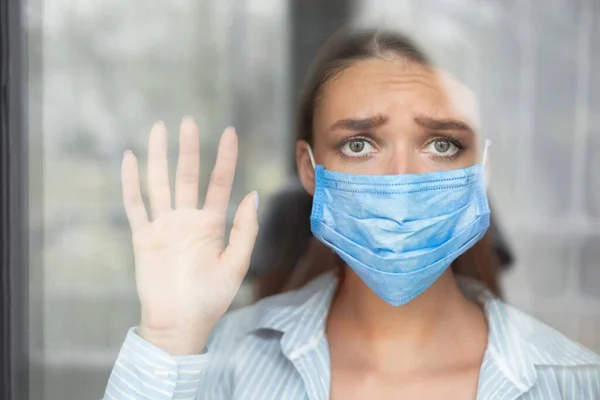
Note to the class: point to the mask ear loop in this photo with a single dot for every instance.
(312, 157)
(486, 145)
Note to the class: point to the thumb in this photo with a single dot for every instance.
(243, 236)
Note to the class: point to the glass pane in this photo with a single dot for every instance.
(107, 70)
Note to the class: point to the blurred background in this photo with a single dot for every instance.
(101, 72)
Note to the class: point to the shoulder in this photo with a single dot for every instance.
(531, 357)
(559, 365)
(521, 338)
(546, 345)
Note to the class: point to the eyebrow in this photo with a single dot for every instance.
(362, 124)
(444, 124)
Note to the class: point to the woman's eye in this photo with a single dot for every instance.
(442, 148)
(357, 148)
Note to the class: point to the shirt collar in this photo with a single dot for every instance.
(516, 341)
(299, 315)
(506, 346)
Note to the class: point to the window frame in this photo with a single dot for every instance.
(14, 204)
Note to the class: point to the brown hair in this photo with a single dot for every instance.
(296, 257)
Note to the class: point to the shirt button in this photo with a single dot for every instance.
(161, 373)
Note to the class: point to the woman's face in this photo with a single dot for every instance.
(391, 117)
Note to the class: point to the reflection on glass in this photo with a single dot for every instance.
(110, 68)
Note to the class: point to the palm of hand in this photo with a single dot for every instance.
(185, 277)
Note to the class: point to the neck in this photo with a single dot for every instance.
(429, 324)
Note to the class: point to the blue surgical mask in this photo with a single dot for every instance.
(399, 233)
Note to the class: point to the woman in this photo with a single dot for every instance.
(388, 149)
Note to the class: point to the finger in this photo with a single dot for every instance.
(221, 178)
(132, 194)
(237, 255)
(188, 166)
(158, 171)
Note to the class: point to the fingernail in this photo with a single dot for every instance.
(256, 200)
(188, 118)
(128, 152)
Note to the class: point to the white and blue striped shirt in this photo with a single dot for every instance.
(277, 349)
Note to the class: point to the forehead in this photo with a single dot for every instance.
(398, 89)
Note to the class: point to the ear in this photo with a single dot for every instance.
(306, 172)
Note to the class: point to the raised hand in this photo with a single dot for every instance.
(186, 277)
